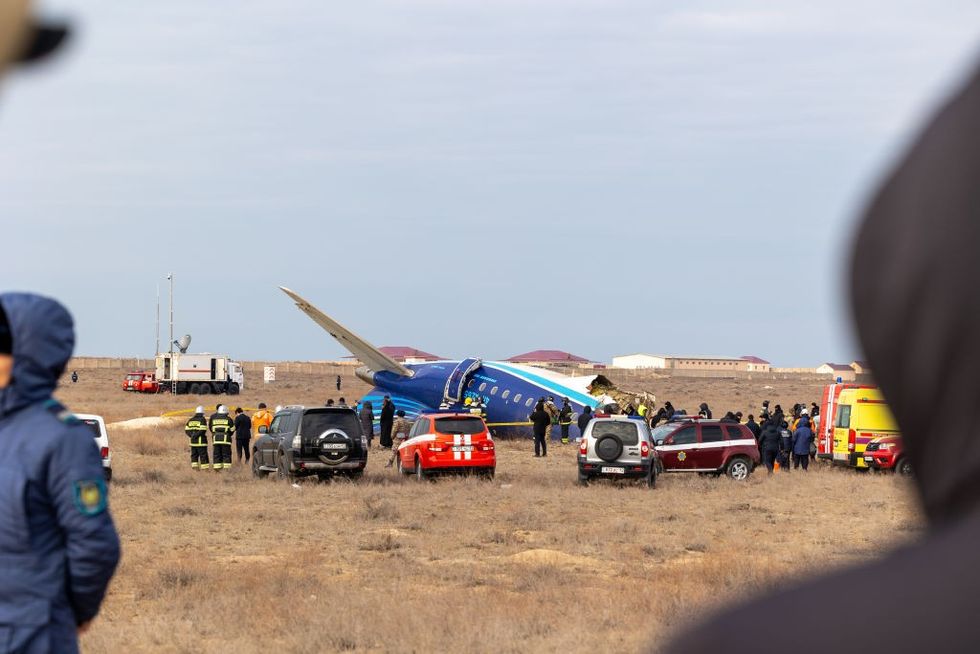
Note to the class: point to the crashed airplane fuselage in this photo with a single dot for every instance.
(507, 391)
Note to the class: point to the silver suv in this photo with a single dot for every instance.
(617, 447)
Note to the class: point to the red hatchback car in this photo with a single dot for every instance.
(694, 445)
(447, 442)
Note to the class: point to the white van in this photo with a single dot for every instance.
(97, 425)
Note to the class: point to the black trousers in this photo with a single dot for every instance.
(385, 439)
(801, 460)
(242, 448)
(564, 432)
(222, 456)
(199, 452)
(540, 444)
(769, 458)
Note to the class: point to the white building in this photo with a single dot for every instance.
(640, 360)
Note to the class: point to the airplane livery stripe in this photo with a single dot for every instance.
(554, 388)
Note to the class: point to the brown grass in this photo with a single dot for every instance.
(529, 562)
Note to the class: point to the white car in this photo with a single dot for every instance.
(97, 425)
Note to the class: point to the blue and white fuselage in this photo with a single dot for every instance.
(508, 391)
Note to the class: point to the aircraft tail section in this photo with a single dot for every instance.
(369, 355)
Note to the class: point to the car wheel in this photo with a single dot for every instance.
(652, 477)
(904, 467)
(108, 474)
(488, 474)
(257, 471)
(282, 472)
(355, 475)
(583, 479)
(738, 468)
(195, 389)
(234, 389)
(420, 473)
(205, 389)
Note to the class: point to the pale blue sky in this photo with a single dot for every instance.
(466, 177)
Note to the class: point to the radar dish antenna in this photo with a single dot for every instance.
(183, 343)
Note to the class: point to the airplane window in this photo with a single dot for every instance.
(529, 402)
(517, 398)
(505, 395)
(483, 387)
(493, 391)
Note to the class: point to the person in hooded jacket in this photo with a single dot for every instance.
(913, 294)
(386, 422)
(584, 419)
(802, 438)
(541, 421)
(366, 417)
(754, 428)
(704, 411)
(196, 429)
(769, 443)
(58, 544)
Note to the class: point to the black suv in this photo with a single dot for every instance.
(303, 441)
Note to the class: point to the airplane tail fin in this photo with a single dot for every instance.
(369, 355)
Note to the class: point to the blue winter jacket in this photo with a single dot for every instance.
(802, 437)
(58, 546)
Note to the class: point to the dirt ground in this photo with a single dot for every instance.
(529, 562)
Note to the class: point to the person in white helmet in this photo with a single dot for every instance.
(197, 430)
(222, 427)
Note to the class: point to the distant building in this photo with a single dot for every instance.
(720, 365)
(548, 358)
(404, 354)
(639, 360)
(841, 370)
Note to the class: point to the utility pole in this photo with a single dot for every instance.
(173, 373)
(157, 351)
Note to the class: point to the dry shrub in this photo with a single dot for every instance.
(378, 508)
(387, 542)
(147, 444)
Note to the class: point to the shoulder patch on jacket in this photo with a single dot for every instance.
(63, 415)
(90, 496)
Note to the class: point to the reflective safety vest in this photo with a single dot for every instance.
(642, 410)
(222, 428)
(197, 430)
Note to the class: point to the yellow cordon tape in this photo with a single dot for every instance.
(509, 424)
(190, 412)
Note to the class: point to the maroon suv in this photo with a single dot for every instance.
(693, 445)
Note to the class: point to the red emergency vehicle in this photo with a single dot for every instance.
(140, 381)
(447, 442)
(828, 409)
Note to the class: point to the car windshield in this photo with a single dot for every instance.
(134, 377)
(459, 425)
(663, 431)
(317, 422)
(625, 430)
(94, 426)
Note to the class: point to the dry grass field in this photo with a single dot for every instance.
(529, 562)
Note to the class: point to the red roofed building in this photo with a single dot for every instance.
(755, 364)
(549, 358)
(404, 354)
(844, 371)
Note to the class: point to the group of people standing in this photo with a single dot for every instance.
(782, 439)
(222, 427)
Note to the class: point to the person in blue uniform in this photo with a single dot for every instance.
(58, 545)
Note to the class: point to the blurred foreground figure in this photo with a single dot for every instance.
(914, 279)
(58, 546)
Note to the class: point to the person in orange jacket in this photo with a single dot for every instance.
(261, 418)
